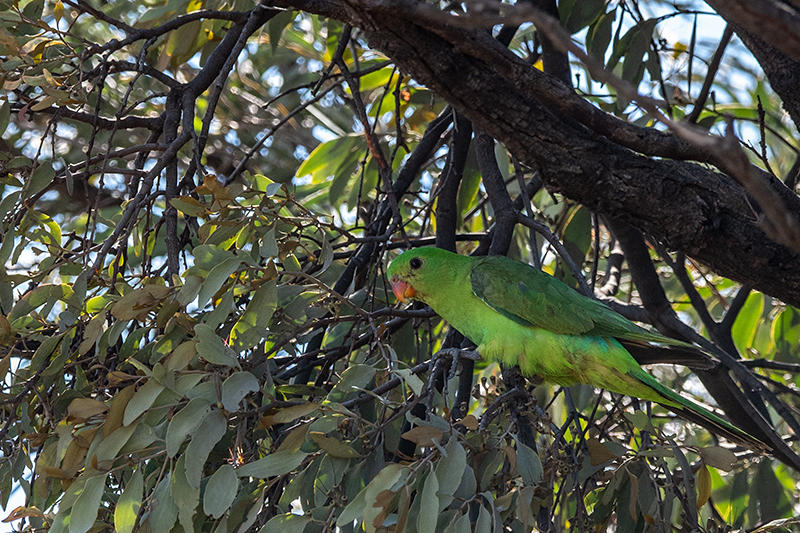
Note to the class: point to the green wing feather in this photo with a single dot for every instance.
(529, 296)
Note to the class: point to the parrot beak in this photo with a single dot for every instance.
(402, 290)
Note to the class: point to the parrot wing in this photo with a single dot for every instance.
(529, 296)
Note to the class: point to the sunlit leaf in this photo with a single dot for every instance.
(129, 504)
(84, 510)
(703, 486)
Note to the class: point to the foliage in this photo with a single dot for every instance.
(198, 201)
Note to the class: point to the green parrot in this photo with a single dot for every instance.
(518, 315)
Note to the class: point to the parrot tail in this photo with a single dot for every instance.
(697, 414)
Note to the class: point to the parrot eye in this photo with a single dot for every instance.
(415, 263)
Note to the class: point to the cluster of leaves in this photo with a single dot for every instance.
(268, 383)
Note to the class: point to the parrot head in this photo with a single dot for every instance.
(414, 271)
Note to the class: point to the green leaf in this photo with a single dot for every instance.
(529, 465)
(599, 35)
(206, 257)
(269, 245)
(185, 496)
(142, 400)
(5, 116)
(112, 444)
(251, 327)
(412, 380)
(180, 357)
(184, 423)
(484, 523)
(33, 11)
(274, 464)
(460, 525)
(42, 176)
(746, 324)
(84, 510)
(449, 471)
(236, 387)
(354, 379)
(46, 294)
(376, 79)
(45, 350)
(769, 500)
(638, 46)
(292, 413)
(333, 446)
(343, 175)
(190, 289)
(216, 278)
(212, 349)
(8, 204)
(135, 302)
(786, 334)
(286, 523)
(640, 421)
(385, 480)
(188, 206)
(577, 14)
(622, 46)
(276, 25)
(326, 159)
(354, 510)
(718, 457)
(208, 434)
(163, 511)
(224, 307)
(129, 504)
(220, 491)
(62, 518)
(429, 505)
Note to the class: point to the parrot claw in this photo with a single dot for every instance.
(439, 358)
(455, 354)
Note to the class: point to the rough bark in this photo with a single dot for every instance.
(774, 21)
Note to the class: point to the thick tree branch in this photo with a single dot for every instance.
(447, 222)
(775, 22)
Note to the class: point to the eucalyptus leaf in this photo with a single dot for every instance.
(130, 502)
(274, 464)
(208, 434)
(212, 349)
(84, 510)
(236, 387)
(220, 491)
(184, 423)
(42, 176)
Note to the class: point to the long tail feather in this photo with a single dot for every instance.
(688, 356)
(701, 416)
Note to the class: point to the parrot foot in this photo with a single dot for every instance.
(454, 354)
(438, 360)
